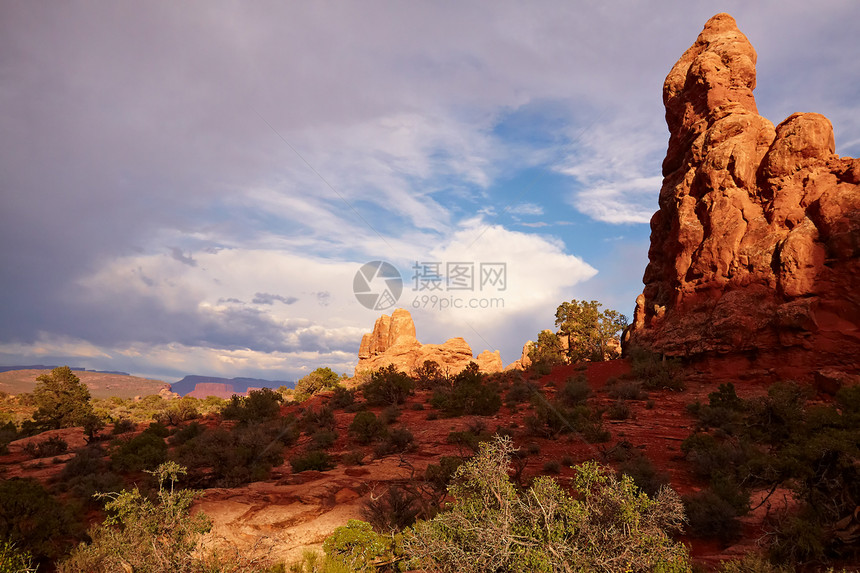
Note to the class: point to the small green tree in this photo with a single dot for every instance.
(608, 526)
(588, 329)
(388, 386)
(317, 381)
(547, 351)
(61, 399)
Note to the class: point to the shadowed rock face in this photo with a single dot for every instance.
(755, 246)
(393, 342)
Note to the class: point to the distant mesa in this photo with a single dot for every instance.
(393, 341)
(755, 249)
(203, 386)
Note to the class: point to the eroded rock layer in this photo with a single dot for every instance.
(754, 248)
(393, 341)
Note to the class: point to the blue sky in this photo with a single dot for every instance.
(191, 187)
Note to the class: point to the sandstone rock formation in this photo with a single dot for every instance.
(754, 248)
(393, 341)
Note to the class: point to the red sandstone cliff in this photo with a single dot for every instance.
(754, 249)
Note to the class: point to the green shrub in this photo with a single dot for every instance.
(186, 433)
(469, 394)
(554, 418)
(316, 460)
(342, 397)
(520, 392)
(33, 520)
(122, 425)
(157, 536)
(575, 391)
(618, 410)
(655, 371)
(143, 452)
(552, 467)
(626, 389)
(87, 474)
(358, 548)
(353, 458)
(643, 473)
(366, 427)
(387, 386)
(397, 441)
(52, 446)
(389, 415)
(709, 515)
(258, 406)
(14, 560)
(244, 454)
(315, 420)
(608, 526)
(439, 475)
(428, 376)
(394, 510)
(319, 380)
(323, 439)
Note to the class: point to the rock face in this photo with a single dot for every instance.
(393, 342)
(755, 246)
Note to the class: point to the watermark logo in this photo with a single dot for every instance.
(377, 285)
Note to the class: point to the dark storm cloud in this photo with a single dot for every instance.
(270, 299)
(177, 255)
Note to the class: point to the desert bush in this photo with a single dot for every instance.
(8, 433)
(469, 394)
(626, 389)
(655, 371)
(644, 474)
(258, 406)
(315, 420)
(33, 520)
(366, 427)
(389, 415)
(575, 391)
(142, 452)
(317, 381)
(397, 441)
(607, 526)
(323, 439)
(14, 560)
(353, 458)
(49, 447)
(87, 474)
(417, 406)
(709, 515)
(179, 410)
(554, 418)
(122, 426)
(223, 458)
(316, 460)
(552, 467)
(186, 433)
(520, 392)
(751, 563)
(428, 376)
(394, 510)
(387, 386)
(140, 534)
(618, 410)
(342, 397)
(356, 547)
(439, 475)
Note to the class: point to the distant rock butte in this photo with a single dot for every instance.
(754, 249)
(203, 390)
(393, 341)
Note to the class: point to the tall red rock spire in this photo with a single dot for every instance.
(754, 249)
